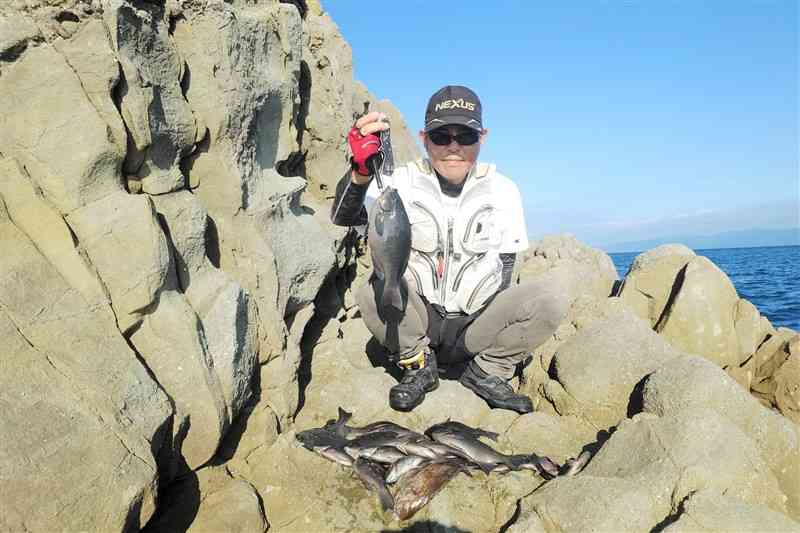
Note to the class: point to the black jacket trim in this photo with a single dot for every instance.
(348, 205)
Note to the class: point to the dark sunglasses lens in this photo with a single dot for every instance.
(440, 138)
(443, 138)
(467, 138)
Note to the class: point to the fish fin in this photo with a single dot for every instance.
(386, 499)
(392, 297)
(344, 416)
(488, 434)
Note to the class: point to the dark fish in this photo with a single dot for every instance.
(404, 466)
(389, 240)
(478, 452)
(338, 426)
(453, 426)
(382, 438)
(379, 454)
(418, 487)
(318, 438)
(371, 474)
(541, 464)
(429, 449)
(335, 454)
(575, 465)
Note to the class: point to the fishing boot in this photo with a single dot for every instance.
(420, 376)
(495, 390)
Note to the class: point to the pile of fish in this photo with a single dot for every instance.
(418, 465)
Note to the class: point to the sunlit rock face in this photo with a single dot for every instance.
(175, 306)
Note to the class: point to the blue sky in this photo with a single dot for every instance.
(619, 120)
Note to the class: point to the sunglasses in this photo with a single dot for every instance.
(464, 138)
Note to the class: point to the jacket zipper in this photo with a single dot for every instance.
(449, 252)
(478, 288)
(433, 268)
(464, 268)
(416, 277)
(485, 207)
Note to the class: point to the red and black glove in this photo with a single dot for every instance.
(363, 147)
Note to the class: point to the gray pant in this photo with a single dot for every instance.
(499, 336)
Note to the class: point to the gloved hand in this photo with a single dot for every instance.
(362, 147)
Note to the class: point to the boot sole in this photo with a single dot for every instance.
(471, 385)
(411, 406)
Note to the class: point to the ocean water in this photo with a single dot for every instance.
(769, 277)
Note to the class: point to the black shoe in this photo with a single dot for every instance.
(495, 390)
(418, 379)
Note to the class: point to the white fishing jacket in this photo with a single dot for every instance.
(456, 242)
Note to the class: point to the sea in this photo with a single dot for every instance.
(769, 277)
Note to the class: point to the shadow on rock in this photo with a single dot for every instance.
(427, 526)
(177, 507)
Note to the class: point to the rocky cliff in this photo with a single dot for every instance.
(174, 305)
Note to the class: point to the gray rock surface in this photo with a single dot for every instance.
(696, 382)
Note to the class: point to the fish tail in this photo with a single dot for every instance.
(544, 465)
(386, 499)
(392, 297)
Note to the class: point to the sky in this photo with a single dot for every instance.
(618, 120)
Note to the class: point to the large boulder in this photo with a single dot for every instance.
(580, 269)
(39, 126)
(226, 311)
(125, 226)
(588, 503)
(677, 454)
(171, 342)
(161, 124)
(709, 510)
(700, 319)
(696, 382)
(92, 433)
(600, 366)
(648, 283)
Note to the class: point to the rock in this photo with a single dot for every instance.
(696, 382)
(210, 500)
(556, 437)
(580, 269)
(587, 503)
(749, 329)
(92, 433)
(125, 226)
(699, 320)
(48, 231)
(39, 126)
(600, 366)
(155, 111)
(302, 491)
(787, 388)
(226, 311)
(279, 377)
(649, 281)
(683, 452)
(89, 54)
(17, 33)
(708, 510)
(171, 342)
(228, 504)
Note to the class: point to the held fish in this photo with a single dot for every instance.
(389, 240)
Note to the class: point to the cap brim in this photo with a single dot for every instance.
(459, 120)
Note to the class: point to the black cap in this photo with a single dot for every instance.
(453, 104)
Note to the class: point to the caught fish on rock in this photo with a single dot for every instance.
(418, 464)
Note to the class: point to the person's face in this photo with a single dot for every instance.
(452, 160)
